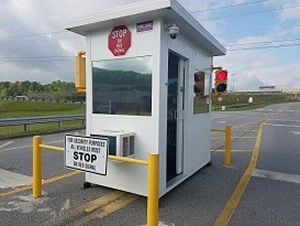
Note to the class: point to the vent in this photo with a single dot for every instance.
(121, 143)
(125, 146)
(131, 148)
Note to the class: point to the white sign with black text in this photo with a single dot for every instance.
(88, 154)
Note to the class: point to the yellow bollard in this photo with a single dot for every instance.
(153, 190)
(36, 167)
(228, 145)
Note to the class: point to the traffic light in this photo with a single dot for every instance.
(221, 81)
(80, 72)
(199, 83)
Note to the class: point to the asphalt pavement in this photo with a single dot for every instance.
(273, 194)
(271, 197)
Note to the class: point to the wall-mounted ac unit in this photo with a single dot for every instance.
(121, 143)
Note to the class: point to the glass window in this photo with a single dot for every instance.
(122, 86)
(202, 87)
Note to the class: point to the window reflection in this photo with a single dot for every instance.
(122, 86)
(201, 92)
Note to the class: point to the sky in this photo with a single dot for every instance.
(262, 38)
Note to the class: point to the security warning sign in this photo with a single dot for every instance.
(88, 154)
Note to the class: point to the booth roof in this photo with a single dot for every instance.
(170, 10)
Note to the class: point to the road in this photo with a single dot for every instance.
(263, 191)
(273, 193)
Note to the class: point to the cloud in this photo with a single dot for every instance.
(20, 18)
(290, 11)
(255, 68)
(23, 17)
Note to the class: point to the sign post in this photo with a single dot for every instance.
(87, 154)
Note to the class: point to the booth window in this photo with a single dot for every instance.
(202, 86)
(122, 86)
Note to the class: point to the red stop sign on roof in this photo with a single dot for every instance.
(119, 40)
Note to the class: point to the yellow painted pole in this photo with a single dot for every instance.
(54, 148)
(153, 190)
(228, 146)
(129, 160)
(37, 167)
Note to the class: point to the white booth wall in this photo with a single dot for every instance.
(150, 131)
(125, 176)
(197, 127)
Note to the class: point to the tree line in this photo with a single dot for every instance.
(61, 89)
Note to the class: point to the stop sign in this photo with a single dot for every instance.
(119, 40)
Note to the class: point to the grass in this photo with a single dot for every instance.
(21, 109)
(244, 107)
(240, 102)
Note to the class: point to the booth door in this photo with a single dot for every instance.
(175, 117)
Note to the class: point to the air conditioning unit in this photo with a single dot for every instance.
(121, 143)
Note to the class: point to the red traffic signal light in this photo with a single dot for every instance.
(221, 81)
(221, 75)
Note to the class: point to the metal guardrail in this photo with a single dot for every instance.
(43, 99)
(40, 120)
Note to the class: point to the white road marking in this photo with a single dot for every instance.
(295, 132)
(11, 180)
(160, 223)
(22, 147)
(226, 115)
(220, 150)
(6, 144)
(16, 148)
(64, 208)
(286, 177)
(222, 122)
(281, 125)
(285, 120)
(56, 141)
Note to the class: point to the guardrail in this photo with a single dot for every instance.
(43, 99)
(227, 132)
(40, 120)
(153, 176)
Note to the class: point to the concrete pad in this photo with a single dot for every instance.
(11, 180)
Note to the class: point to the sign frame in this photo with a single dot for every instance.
(94, 138)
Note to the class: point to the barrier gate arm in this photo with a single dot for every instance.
(153, 176)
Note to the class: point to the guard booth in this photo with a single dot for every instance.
(148, 86)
